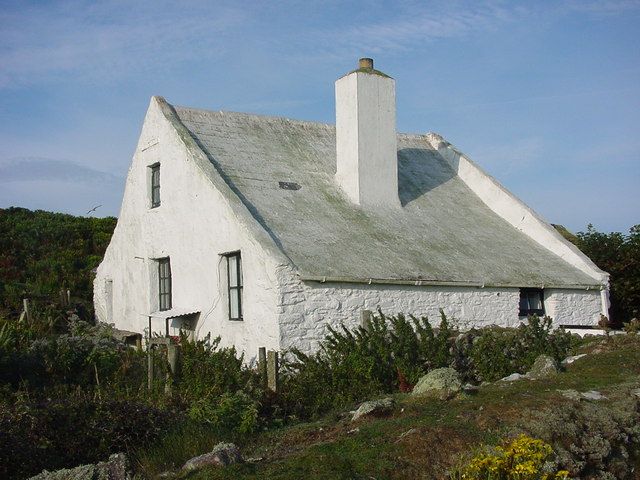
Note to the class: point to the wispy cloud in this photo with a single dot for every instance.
(33, 169)
(106, 39)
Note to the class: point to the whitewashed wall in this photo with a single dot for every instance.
(573, 307)
(306, 308)
(193, 226)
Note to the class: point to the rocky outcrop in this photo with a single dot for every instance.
(441, 382)
(116, 468)
(544, 366)
(384, 406)
(223, 454)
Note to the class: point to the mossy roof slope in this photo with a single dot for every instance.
(443, 232)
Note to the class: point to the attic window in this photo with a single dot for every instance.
(155, 185)
(289, 185)
(531, 302)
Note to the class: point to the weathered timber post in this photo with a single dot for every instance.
(149, 359)
(262, 366)
(272, 370)
(365, 319)
(25, 306)
(173, 358)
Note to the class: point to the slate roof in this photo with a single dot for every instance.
(442, 233)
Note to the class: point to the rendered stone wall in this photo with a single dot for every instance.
(307, 308)
(573, 307)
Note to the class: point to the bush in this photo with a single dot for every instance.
(524, 458)
(592, 440)
(352, 365)
(227, 414)
(73, 429)
(496, 352)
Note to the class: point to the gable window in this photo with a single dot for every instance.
(155, 185)
(234, 283)
(164, 286)
(531, 302)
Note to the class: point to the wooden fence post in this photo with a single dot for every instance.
(25, 306)
(365, 319)
(149, 360)
(173, 358)
(272, 370)
(262, 366)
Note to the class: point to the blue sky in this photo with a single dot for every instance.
(545, 96)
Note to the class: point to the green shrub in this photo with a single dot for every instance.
(592, 440)
(71, 428)
(496, 352)
(228, 413)
(352, 365)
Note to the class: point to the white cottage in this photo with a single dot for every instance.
(265, 230)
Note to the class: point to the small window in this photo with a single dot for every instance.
(164, 286)
(234, 282)
(531, 302)
(155, 185)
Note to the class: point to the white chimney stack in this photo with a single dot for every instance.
(366, 146)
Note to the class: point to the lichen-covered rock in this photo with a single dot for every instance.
(571, 394)
(544, 366)
(223, 454)
(441, 382)
(383, 406)
(573, 358)
(116, 468)
(513, 377)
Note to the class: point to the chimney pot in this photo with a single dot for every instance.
(366, 63)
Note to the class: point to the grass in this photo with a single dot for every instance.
(422, 439)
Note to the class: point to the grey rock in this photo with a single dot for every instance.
(544, 366)
(636, 392)
(116, 468)
(441, 382)
(223, 454)
(593, 395)
(571, 394)
(513, 377)
(382, 406)
(469, 388)
(570, 360)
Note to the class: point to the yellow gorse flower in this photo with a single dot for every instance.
(522, 459)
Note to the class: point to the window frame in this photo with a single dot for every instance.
(238, 287)
(531, 311)
(154, 191)
(165, 300)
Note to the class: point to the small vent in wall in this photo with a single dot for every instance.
(289, 185)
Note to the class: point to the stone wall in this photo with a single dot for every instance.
(306, 308)
(573, 307)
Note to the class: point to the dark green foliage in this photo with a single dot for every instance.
(619, 255)
(592, 440)
(356, 364)
(217, 387)
(496, 352)
(43, 252)
(73, 428)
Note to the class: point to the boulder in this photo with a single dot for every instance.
(379, 407)
(513, 377)
(593, 395)
(570, 360)
(223, 454)
(441, 382)
(116, 468)
(636, 392)
(571, 394)
(544, 366)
